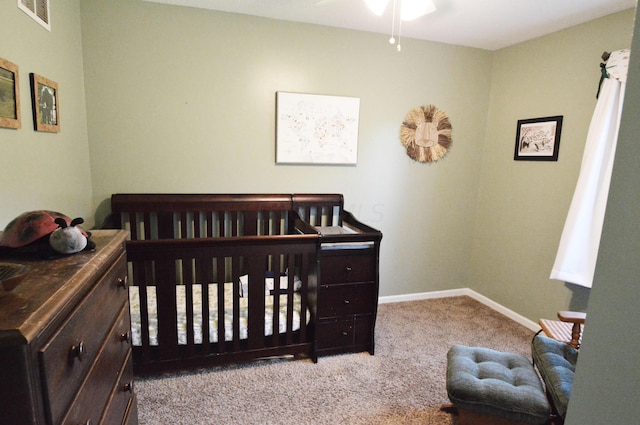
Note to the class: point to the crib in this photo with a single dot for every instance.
(217, 278)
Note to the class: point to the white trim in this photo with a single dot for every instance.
(462, 292)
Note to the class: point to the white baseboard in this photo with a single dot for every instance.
(461, 292)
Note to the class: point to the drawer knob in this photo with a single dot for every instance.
(128, 387)
(345, 333)
(348, 269)
(78, 351)
(122, 282)
(125, 336)
(347, 302)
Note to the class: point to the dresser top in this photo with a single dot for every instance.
(51, 286)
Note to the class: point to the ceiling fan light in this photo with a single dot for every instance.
(413, 9)
(377, 6)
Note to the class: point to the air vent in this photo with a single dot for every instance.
(38, 10)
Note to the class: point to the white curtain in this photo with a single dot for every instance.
(576, 258)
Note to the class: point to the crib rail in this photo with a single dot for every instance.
(161, 265)
(177, 216)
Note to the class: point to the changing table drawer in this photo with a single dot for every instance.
(348, 268)
(346, 299)
(344, 335)
(73, 349)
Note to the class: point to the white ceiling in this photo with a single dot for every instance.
(486, 24)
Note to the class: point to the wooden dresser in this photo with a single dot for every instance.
(347, 290)
(65, 350)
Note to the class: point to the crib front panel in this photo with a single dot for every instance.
(215, 298)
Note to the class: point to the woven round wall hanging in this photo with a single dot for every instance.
(426, 133)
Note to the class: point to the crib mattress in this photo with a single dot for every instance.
(181, 302)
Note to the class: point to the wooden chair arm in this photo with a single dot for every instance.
(572, 316)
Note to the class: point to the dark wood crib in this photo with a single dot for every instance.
(217, 278)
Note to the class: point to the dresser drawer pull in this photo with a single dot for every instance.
(348, 269)
(77, 351)
(345, 333)
(347, 302)
(122, 282)
(125, 336)
(88, 422)
(128, 387)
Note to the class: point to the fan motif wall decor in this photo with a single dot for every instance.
(426, 133)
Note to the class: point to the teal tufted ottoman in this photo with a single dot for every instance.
(492, 387)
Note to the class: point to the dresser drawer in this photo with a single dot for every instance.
(346, 299)
(122, 398)
(104, 378)
(67, 357)
(347, 269)
(131, 415)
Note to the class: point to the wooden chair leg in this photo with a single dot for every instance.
(449, 408)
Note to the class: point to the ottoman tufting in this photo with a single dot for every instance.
(492, 387)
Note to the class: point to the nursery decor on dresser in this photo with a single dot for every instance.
(9, 95)
(426, 133)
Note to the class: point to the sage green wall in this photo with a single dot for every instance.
(606, 384)
(183, 100)
(522, 204)
(44, 170)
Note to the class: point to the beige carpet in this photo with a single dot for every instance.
(403, 383)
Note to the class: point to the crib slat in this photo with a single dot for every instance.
(139, 278)
(146, 225)
(167, 321)
(235, 272)
(183, 219)
(188, 281)
(250, 223)
(165, 225)
(275, 320)
(290, 289)
(220, 266)
(133, 225)
(256, 271)
(203, 272)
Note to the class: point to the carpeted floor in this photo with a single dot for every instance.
(403, 383)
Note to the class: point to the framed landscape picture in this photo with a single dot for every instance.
(9, 95)
(538, 139)
(46, 104)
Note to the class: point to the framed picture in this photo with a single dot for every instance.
(316, 129)
(9, 95)
(46, 104)
(538, 139)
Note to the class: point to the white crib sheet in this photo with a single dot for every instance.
(181, 301)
